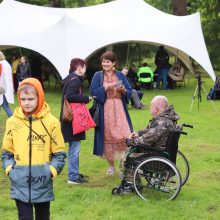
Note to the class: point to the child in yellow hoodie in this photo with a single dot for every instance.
(33, 152)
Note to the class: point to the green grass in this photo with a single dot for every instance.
(198, 199)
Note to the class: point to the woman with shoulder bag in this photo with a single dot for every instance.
(72, 92)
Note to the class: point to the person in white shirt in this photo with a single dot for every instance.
(6, 85)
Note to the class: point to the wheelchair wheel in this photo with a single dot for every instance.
(116, 191)
(183, 166)
(157, 178)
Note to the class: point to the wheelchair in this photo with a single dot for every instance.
(156, 174)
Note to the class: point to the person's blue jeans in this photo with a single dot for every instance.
(73, 160)
(162, 76)
(6, 107)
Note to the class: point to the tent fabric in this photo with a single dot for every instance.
(61, 34)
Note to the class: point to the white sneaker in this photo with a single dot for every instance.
(110, 171)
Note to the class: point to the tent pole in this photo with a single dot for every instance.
(128, 51)
(20, 51)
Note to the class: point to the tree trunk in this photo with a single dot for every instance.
(56, 3)
(179, 7)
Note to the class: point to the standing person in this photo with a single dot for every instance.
(163, 66)
(23, 69)
(132, 74)
(6, 85)
(14, 63)
(111, 89)
(33, 152)
(72, 91)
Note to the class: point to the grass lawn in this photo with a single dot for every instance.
(198, 199)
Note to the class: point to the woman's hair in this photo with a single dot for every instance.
(26, 59)
(2, 56)
(75, 63)
(109, 55)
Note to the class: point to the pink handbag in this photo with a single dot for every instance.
(82, 120)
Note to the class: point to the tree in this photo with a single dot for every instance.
(210, 16)
(179, 7)
(56, 3)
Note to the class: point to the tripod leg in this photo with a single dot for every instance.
(209, 98)
(193, 98)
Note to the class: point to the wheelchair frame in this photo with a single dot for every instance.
(161, 173)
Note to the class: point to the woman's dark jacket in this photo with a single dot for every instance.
(72, 90)
(23, 71)
(97, 89)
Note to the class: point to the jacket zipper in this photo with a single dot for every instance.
(30, 156)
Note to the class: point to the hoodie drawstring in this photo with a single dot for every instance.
(48, 132)
(35, 132)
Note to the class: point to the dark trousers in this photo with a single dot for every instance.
(25, 210)
(15, 81)
(140, 95)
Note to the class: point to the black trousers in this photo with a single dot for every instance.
(25, 210)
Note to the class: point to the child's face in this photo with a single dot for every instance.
(29, 100)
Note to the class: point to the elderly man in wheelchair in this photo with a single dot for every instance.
(149, 167)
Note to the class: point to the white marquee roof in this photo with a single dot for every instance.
(62, 34)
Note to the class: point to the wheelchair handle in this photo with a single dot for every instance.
(187, 125)
(183, 132)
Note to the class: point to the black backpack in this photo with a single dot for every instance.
(214, 93)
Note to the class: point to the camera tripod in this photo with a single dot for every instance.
(197, 92)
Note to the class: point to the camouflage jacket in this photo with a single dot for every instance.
(157, 132)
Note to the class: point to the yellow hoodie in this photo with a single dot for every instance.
(47, 154)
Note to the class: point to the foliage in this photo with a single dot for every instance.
(35, 2)
(164, 6)
(198, 199)
(210, 14)
(210, 17)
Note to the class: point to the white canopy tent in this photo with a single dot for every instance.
(62, 34)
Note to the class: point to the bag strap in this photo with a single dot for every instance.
(66, 84)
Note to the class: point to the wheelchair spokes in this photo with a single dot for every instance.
(157, 178)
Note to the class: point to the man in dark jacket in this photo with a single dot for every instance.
(157, 131)
(163, 66)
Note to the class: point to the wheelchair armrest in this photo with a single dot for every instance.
(144, 148)
(188, 125)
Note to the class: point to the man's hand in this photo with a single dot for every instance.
(133, 135)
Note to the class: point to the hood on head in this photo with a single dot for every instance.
(169, 113)
(37, 85)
